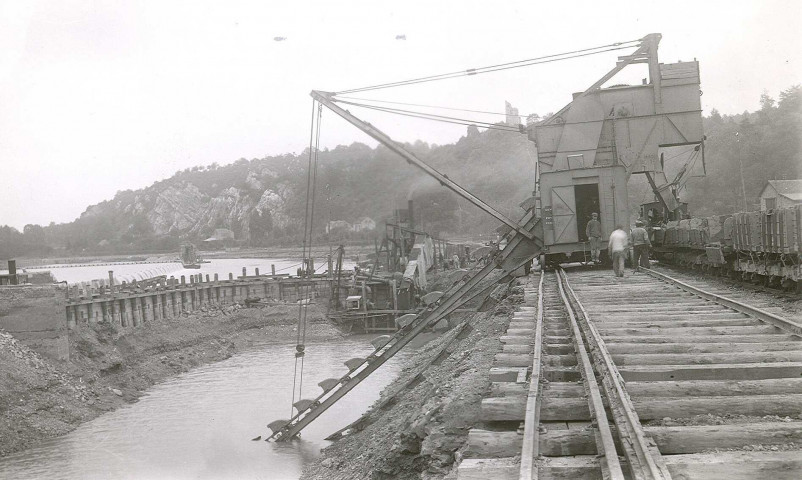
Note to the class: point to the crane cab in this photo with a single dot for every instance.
(569, 197)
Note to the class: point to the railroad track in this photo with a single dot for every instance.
(685, 273)
(641, 377)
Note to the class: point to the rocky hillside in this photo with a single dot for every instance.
(262, 200)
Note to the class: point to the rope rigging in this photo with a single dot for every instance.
(307, 266)
(472, 71)
(434, 117)
(502, 66)
(425, 106)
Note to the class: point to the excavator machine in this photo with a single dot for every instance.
(586, 153)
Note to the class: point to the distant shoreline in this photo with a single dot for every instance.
(287, 253)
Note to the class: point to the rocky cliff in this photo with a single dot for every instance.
(262, 200)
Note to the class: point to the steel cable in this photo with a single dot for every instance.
(311, 176)
(436, 118)
(502, 66)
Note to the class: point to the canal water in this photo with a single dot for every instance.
(200, 425)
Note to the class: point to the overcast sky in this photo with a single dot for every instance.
(101, 96)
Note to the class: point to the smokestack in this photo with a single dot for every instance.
(12, 272)
(411, 215)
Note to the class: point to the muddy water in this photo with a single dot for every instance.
(200, 424)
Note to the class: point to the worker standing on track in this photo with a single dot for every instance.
(617, 249)
(594, 232)
(641, 245)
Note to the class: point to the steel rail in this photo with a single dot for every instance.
(531, 443)
(611, 467)
(783, 323)
(645, 460)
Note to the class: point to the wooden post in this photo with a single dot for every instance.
(395, 295)
(135, 314)
(147, 308)
(123, 313)
(257, 271)
(273, 269)
(364, 297)
(331, 266)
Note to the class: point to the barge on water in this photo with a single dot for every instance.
(189, 256)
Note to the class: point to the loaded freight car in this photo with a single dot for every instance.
(764, 247)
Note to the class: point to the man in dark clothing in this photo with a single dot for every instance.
(641, 245)
(594, 232)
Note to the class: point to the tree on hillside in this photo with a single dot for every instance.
(762, 146)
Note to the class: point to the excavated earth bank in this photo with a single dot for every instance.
(420, 434)
(110, 367)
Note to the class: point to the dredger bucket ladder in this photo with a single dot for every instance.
(525, 244)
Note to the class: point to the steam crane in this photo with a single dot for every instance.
(586, 153)
(588, 150)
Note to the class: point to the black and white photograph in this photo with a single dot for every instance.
(416, 240)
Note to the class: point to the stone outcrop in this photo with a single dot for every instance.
(176, 209)
(183, 209)
(262, 200)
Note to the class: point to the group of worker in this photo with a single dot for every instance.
(618, 244)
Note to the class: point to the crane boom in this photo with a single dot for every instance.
(325, 99)
(524, 245)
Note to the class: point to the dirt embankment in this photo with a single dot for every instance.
(110, 367)
(421, 433)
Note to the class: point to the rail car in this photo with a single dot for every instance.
(763, 247)
(588, 150)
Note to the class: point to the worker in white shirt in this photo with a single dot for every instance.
(617, 248)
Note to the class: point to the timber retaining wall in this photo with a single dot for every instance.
(130, 305)
(40, 316)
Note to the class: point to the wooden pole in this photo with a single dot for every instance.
(395, 295)
(364, 297)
